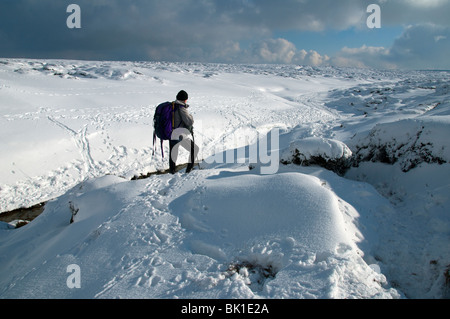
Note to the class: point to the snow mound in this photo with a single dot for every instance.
(174, 237)
(408, 142)
(294, 205)
(275, 227)
(329, 153)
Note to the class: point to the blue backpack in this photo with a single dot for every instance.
(163, 123)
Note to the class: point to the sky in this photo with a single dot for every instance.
(413, 34)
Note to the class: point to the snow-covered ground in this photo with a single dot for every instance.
(74, 133)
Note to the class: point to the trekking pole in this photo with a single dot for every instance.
(193, 148)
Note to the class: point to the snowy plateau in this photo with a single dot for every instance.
(357, 209)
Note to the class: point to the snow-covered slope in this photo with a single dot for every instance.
(75, 132)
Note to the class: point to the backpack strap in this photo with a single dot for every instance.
(173, 115)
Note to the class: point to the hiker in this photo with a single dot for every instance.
(183, 123)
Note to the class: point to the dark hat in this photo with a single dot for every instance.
(182, 96)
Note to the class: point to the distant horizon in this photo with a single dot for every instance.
(224, 63)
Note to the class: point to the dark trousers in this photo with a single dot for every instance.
(189, 145)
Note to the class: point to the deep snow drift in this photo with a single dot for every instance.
(373, 224)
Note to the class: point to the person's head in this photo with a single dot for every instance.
(182, 96)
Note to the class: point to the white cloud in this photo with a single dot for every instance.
(424, 46)
(438, 38)
(281, 51)
(395, 12)
(311, 58)
(426, 3)
(273, 51)
(364, 57)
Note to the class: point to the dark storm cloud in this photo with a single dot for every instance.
(422, 46)
(410, 12)
(157, 29)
